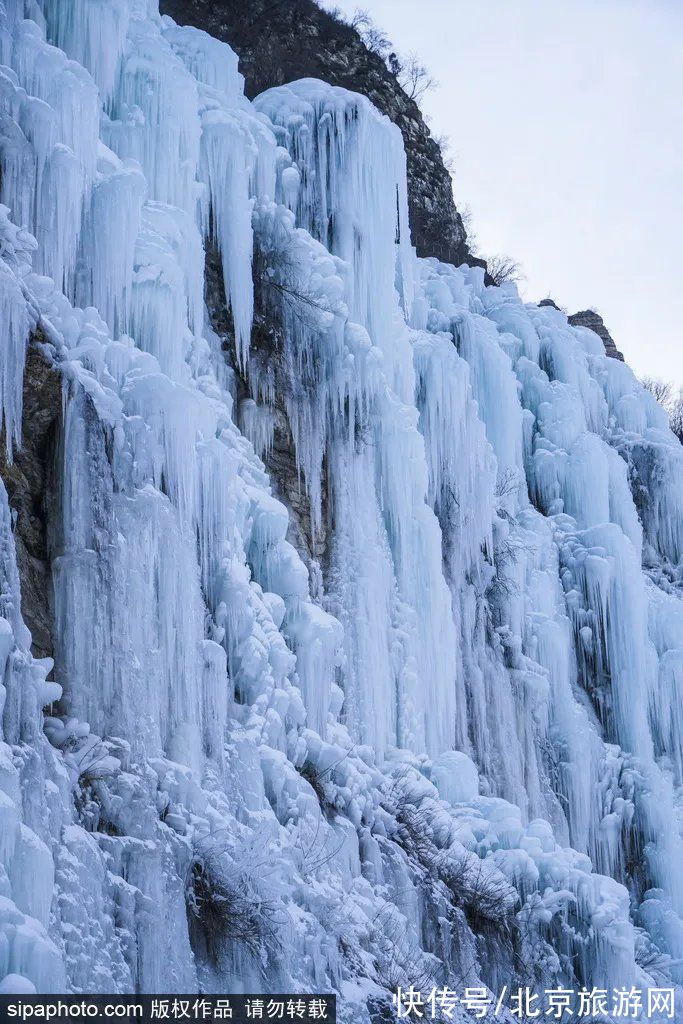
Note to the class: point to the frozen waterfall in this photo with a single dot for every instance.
(365, 577)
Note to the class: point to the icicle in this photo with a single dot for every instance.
(167, 295)
(353, 199)
(105, 269)
(227, 160)
(51, 148)
(91, 32)
(154, 116)
(210, 61)
(14, 328)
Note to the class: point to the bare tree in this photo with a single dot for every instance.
(508, 483)
(676, 416)
(664, 392)
(229, 897)
(414, 78)
(374, 38)
(661, 390)
(503, 268)
(444, 144)
(409, 72)
(360, 20)
(467, 218)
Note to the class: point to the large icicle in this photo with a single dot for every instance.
(344, 155)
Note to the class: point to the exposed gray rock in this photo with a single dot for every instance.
(280, 460)
(26, 482)
(589, 318)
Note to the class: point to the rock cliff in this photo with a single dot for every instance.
(589, 318)
(280, 42)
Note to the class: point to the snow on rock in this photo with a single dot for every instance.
(441, 743)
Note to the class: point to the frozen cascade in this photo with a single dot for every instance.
(421, 726)
(345, 153)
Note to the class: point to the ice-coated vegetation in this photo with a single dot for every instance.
(439, 743)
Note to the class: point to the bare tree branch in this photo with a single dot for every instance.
(503, 268)
(414, 78)
(661, 390)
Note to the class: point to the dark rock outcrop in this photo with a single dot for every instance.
(280, 459)
(279, 42)
(589, 318)
(26, 481)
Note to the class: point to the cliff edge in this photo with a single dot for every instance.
(278, 43)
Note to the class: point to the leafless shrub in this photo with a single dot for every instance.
(467, 218)
(410, 73)
(407, 964)
(507, 484)
(652, 960)
(535, 962)
(316, 781)
(447, 158)
(662, 391)
(676, 416)
(225, 910)
(503, 268)
(277, 274)
(509, 545)
(413, 836)
(398, 958)
(413, 832)
(320, 851)
(95, 767)
(414, 78)
(479, 903)
(91, 766)
(374, 38)
(321, 848)
(228, 899)
(503, 584)
(487, 899)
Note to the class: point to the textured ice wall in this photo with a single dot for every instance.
(417, 776)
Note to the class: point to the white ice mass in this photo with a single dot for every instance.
(438, 743)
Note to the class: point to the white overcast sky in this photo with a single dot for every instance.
(566, 122)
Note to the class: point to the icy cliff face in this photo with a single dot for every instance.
(446, 748)
(281, 42)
